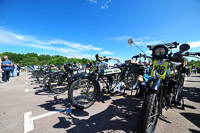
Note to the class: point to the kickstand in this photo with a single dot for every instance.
(131, 92)
(162, 117)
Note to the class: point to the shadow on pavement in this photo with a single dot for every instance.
(192, 117)
(195, 76)
(191, 81)
(192, 94)
(51, 105)
(121, 115)
(194, 131)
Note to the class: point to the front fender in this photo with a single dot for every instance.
(153, 84)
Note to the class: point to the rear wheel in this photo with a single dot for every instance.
(82, 93)
(131, 80)
(59, 83)
(149, 113)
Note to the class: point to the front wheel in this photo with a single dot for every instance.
(59, 83)
(46, 80)
(82, 93)
(149, 113)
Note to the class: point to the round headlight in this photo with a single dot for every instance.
(160, 51)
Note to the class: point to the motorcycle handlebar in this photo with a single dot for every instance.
(141, 55)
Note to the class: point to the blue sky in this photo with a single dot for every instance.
(83, 28)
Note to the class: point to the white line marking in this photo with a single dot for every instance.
(28, 122)
(28, 119)
(26, 83)
(46, 114)
(26, 90)
(184, 81)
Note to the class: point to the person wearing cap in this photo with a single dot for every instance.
(6, 67)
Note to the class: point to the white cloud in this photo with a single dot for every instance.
(153, 42)
(62, 50)
(137, 41)
(107, 52)
(120, 38)
(77, 46)
(6, 38)
(105, 6)
(16, 39)
(93, 1)
(194, 44)
(66, 48)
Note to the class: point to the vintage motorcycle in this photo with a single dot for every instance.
(86, 89)
(60, 81)
(165, 87)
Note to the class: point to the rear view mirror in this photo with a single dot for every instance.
(184, 47)
(130, 41)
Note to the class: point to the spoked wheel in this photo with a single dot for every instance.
(40, 77)
(179, 98)
(149, 114)
(46, 80)
(131, 80)
(82, 93)
(58, 83)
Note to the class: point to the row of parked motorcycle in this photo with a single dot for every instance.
(159, 84)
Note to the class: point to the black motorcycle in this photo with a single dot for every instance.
(86, 89)
(165, 87)
(60, 81)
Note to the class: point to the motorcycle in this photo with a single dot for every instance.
(165, 86)
(86, 89)
(140, 91)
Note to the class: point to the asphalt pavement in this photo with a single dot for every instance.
(26, 106)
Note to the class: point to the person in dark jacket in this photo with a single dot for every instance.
(90, 65)
(18, 69)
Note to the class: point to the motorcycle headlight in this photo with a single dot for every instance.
(160, 51)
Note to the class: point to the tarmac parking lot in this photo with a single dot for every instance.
(26, 106)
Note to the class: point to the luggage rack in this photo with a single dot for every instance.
(168, 45)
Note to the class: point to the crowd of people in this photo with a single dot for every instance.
(8, 69)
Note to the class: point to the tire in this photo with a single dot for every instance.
(46, 80)
(131, 80)
(40, 77)
(82, 93)
(59, 83)
(149, 113)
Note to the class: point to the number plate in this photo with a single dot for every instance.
(161, 67)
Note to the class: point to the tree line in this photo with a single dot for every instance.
(196, 63)
(30, 59)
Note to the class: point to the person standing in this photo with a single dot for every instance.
(79, 66)
(18, 69)
(11, 71)
(6, 67)
(90, 65)
(0, 65)
(14, 73)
